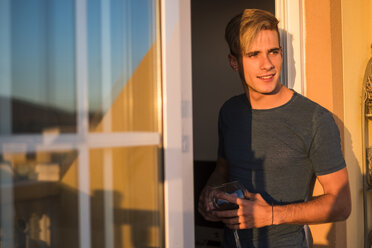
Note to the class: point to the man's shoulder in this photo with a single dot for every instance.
(308, 113)
(235, 101)
(306, 105)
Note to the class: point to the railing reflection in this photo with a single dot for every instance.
(40, 207)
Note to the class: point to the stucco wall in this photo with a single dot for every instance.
(338, 40)
(323, 52)
(356, 39)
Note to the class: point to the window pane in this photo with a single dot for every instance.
(44, 200)
(126, 197)
(39, 199)
(37, 50)
(123, 52)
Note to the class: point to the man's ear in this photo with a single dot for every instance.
(233, 62)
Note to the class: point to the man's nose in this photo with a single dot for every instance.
(266, 63)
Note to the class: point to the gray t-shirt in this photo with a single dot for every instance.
(277, 153)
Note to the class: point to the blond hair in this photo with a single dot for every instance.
(243, 29)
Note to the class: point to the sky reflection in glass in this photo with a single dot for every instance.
(42, 49)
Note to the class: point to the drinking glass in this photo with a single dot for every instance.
(233, 188)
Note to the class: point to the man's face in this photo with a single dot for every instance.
(261, 64)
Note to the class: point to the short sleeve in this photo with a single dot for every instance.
(325, 150)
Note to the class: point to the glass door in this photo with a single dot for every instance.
(81, 124)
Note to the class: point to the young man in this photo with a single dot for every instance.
(275, 142)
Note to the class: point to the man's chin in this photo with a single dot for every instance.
(273, 91)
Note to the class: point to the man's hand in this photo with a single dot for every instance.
(218, 177)
(253, 211)
(205, 205)
(333, 205)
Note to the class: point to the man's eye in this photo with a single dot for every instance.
(251, 55)
(274, 52)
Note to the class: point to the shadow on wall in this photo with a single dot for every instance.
(336, 236)
(288, 60)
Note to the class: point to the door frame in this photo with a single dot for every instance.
(177, 105)
(292, 34)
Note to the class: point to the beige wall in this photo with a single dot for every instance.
(356, 39)
(323, 52)
(338, 40)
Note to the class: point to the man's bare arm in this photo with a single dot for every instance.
(333, 205)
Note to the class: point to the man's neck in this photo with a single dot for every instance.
(269, 101)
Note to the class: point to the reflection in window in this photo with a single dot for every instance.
(126, 197)
(42, 202)
(123, 51)
(41, 207)
(41, 65)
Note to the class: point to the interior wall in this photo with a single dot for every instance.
(357, 41)
(213, 80)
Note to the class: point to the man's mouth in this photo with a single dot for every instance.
(267, 77)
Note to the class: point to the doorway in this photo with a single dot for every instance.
(213, 82)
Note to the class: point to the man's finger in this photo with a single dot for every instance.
(228, 197)
(249, 195)
(234, 226)
(208, 216)
(260, 198)
(231, 221)
(226, 213)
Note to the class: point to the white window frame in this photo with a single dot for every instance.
(177, 108)
(82, 141)
(177, 123)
